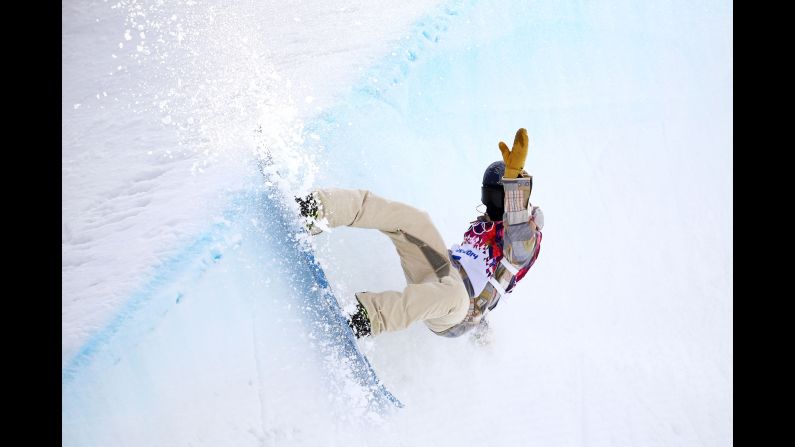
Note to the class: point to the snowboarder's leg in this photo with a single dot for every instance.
(440, 303)
(435, 292)
(421, 248)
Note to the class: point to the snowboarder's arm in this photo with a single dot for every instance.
(520, 233)
(519, 242)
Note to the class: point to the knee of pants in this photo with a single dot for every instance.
(457, 300)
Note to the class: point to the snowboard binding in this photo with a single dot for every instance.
(310, 211)
(359, 322)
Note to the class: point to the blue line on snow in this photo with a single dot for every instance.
(424, 32)
(164, 274)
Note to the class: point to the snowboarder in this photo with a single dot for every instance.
(450, 290)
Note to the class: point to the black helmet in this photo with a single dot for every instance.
(494, 173)
(491, 193)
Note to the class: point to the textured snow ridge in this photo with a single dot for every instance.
(164, 106)
(187, 322)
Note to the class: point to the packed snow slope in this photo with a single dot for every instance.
(182, 319)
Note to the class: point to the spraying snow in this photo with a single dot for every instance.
(179, 326)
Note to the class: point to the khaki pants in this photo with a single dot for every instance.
(435, 293)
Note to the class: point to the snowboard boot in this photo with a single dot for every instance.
(310, 210)
(359, 322)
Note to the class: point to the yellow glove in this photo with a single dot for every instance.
(514, 159)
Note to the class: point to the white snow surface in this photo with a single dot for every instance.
(176, 331)
(152, 138)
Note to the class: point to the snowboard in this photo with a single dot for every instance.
(320, 307)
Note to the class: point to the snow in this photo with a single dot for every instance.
(178, 324)
(134, 189)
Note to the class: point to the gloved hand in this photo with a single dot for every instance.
(514, 159)
(482, 335)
